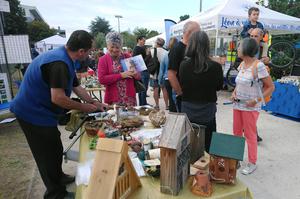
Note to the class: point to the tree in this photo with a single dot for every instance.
(129, 40)
(184, 17)
(99, 25)
(152, 33)
(141, 32)
(100, 40)
(15, 21)
(289, 7)
(38, 30)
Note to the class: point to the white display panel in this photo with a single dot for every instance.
(17, 49)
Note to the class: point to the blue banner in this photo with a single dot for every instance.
(168, 24)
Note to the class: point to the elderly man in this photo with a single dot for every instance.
(262, 54)
(176, 56)
(44, 93)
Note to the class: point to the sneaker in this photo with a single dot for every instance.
(259, 139)
(250, 168)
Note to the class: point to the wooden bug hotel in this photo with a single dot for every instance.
(175, 150)
(225, 152)
(113, 175)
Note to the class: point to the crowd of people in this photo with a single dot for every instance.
(186, 75)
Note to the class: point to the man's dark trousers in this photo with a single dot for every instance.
(47, 150)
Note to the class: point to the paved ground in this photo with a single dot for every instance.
(277, 176)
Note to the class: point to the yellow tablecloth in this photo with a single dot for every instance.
(151, 186)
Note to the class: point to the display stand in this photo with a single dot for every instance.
(285, 100)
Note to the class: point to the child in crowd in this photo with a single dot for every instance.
(252, 23)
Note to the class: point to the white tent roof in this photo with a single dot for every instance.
(54, 40)
(151, 41)
(229, 17)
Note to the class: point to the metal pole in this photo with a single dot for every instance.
(5, 54)
(118, 17)
(119, 24)
(200, 5)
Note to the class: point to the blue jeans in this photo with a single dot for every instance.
(145, 76)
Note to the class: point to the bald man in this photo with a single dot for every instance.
(176, 56)
(262, 54)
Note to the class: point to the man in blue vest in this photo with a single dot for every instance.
(44, 93)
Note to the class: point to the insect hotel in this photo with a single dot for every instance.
(225, 152)
(175, 150)
(115, 177)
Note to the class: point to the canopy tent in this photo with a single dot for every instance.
(49, 43)
(228, 17)
(151, 41)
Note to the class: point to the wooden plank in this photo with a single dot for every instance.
(167, 130)
(102, 183)
(202, 163)
(107, 144)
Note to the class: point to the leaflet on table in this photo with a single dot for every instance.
(135, 63)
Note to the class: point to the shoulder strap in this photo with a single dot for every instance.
(155, 52)
(255, 70)
(242, 64)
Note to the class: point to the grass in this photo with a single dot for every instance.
(16, 161)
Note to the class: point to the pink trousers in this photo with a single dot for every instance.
(245, 122)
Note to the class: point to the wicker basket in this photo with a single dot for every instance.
(157, 118)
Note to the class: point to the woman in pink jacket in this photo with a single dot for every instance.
(119, 84)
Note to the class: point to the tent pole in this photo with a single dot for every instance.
(216, 44)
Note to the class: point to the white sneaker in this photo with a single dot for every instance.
(250, 168)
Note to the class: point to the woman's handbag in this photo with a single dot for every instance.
(139, 86)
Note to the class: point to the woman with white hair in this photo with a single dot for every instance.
(119, 84)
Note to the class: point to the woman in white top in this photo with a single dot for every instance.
(253, 83)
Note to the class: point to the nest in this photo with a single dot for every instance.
(145, 111)
(157, 118)
(92, 127)
(133, 122)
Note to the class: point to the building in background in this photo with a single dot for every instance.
(32, 13)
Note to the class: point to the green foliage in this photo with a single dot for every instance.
(183, 17)
(99, 25)
(289, 7)
(144, 32)
(129, 40)
(15, 21)
(38, 30)
(100, 40)
(141, 32)
(152, 33)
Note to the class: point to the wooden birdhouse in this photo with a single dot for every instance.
(225, 152)
(113, 175)
(175, 150)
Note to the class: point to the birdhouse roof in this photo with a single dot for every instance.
(228, 146)
(176, 127)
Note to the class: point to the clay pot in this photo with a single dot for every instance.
(202, 178)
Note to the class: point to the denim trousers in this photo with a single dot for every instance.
(145, 76)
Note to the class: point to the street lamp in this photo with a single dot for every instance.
(118, 17)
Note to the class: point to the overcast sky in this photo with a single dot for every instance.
(77, 14)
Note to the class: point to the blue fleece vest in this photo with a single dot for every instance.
(33, 101)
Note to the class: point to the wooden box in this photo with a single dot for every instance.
(113, 175)
(175, 151)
